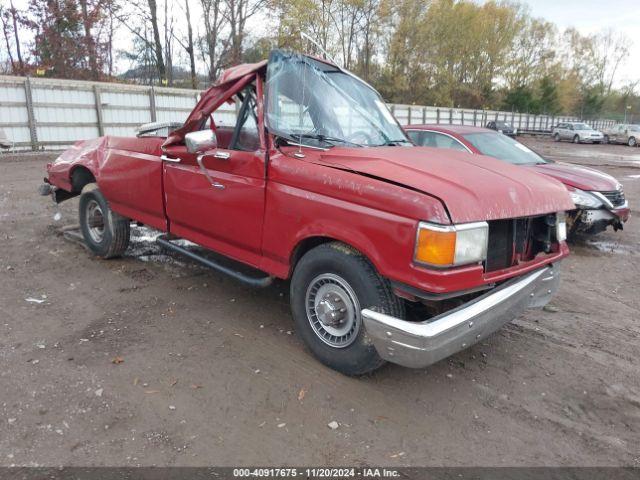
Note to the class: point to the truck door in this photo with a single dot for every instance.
(217, 199)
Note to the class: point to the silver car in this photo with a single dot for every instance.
(623, 133)
(577, 132)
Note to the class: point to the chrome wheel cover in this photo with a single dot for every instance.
(95, 221)
(333, 310)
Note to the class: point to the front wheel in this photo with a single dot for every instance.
(606, 139)
(330, 286)
(576, 139)
(632, 142)
(104, 231)
(556, 137)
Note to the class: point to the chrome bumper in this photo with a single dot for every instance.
(419, 344)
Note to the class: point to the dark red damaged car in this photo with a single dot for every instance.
(598, 197)
(393, 252)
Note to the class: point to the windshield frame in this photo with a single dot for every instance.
(383, 126)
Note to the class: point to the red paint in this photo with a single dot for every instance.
(575, 176)
(370, 198)
(572, 176)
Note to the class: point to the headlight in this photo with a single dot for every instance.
(585, 199)
(451, 245)
(561, 227)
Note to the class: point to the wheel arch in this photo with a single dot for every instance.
(308, 243)
(79, 177)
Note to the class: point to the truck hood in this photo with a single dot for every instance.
(575, 176)
(472, 187)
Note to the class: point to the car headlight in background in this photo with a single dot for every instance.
(561, 227)
(451, 245)
(584, 199)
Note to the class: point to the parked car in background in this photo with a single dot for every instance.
(599, 198)
(503, 127)
(317, 183)
(577, 132)
(624, 133)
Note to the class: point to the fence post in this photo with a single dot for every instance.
(450, 116)
(475, 115)
(152, 104)
(437, 115)
(462, 117)
(98, 100)
(424, 115)
(31, 118)
(409, 115)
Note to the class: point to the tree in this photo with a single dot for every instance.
(214, 21)
(190, 49)
(157, 46)
(238, 12)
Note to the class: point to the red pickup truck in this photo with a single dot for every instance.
(394, 252)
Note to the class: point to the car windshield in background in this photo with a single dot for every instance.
(581, 126)
(503, 148)
(503, 125)
(316, 104)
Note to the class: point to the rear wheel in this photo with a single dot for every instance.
(576, 139)
(105, 232)
(606, 139)
(632, 142)
(331, 284)
(556, 137)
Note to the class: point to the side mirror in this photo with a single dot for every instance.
(201, 141)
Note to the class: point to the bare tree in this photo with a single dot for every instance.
(160, 65)
(189, 49)
(4, 18)
(16, 36)
(214, 21)
(238, 13)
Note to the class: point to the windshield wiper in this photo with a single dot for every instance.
(322, 138)
(393, 143)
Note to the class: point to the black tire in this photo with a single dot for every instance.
(339, 263)
(576, 139)
(632, 142)
(556, 137)
(105, 232)
(606, 139)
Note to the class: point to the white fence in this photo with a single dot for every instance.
(38, 113)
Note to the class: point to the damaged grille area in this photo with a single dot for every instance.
(616, 197)
(516, 240)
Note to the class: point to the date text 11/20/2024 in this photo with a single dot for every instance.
(309, 472)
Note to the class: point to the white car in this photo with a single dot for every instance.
(577, 132)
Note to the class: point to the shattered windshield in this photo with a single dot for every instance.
(316, 104)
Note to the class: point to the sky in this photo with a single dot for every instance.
(587, 16)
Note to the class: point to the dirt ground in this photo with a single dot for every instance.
(152, 360)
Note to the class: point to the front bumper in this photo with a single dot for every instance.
(597, 220)
(419, 344)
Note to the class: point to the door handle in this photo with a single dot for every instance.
(222, 155)
(213, 183)
(165, 158)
